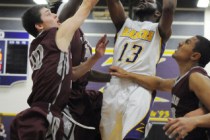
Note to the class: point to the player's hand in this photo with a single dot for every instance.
(117, 71)
(101, 47)
(179, 127)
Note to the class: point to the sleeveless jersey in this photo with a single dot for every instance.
(84, 105)
(138, 47)
(81, 51)
(51, 71)
(185, 101)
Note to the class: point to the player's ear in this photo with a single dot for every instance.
(195, 56)
(157, 14)
(39, 26)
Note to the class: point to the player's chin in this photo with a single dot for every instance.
(174, 55)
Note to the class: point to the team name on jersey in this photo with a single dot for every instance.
(143, 34)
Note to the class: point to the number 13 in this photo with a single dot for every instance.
(136, 51)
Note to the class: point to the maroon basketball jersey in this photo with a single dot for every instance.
(51, 70)
(184, 101)
(81, 51)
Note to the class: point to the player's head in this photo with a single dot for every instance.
(37, 19)
(149, 10)
(202, 47)
(195, 49)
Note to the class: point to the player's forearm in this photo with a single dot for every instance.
(148, 82)
(69, 9)
(96, 76)
(197, 112)
(169, 5)
(68, 27)
(168, 10)
(166, 19)
(117, 13)
(203, 121)
(83, 68)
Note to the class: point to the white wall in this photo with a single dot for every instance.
(13, 99)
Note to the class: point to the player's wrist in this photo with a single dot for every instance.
(96, 57)
(196, 122)
(89, 3)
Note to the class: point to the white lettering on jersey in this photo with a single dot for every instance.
(36, 58)
(175, 100)
(133, 34)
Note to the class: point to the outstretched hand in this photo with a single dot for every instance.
(101, 46)
(119, 72)
(179, 127)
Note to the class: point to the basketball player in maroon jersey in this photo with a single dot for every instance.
(189, 90)
(50, 61)
(84, 105)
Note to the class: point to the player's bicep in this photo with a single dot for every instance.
(200, 84)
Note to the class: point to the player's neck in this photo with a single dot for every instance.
(184, 68)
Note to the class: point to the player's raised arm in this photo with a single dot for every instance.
(69, 26)
(167, 18)
(69, 9)
(117, 13)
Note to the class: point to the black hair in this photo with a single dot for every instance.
(31, 17)
(203, 47)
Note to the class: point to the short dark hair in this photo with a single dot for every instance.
(203, 47)
(31, 17)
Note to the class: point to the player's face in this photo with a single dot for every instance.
(146, 9)
(185, 49)
(49, 19)
(147, 4)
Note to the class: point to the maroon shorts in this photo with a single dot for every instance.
(85, 108)
(31, 124)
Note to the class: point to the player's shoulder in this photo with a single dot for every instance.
(198, 69)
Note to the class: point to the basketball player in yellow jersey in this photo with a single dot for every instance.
(138, 48)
